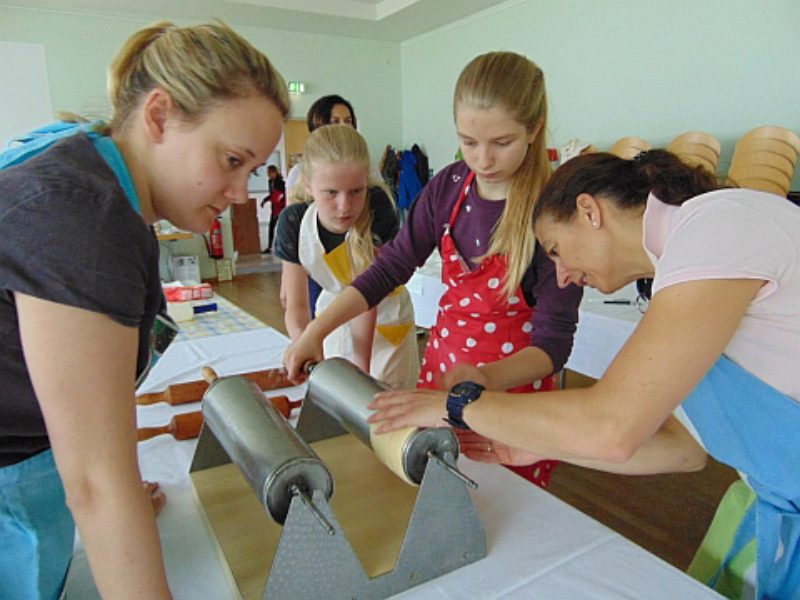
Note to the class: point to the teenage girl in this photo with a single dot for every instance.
(335, 236)
(502, 298)
(195, 110)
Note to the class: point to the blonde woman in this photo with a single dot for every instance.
(333, 236)
(195, 110)
(502, 298)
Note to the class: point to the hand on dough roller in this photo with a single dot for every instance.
(343, 391)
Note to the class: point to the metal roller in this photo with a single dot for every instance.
(274, 460)
(343, 391)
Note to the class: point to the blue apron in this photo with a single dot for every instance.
(36, 527)
(754, 428)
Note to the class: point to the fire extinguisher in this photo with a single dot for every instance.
(215, 249)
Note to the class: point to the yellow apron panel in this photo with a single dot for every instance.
(394, 334)
(338, 261)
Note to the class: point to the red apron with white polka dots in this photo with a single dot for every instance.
(477, 324)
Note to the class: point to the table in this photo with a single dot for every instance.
(602, 329)
(601, 332)
(539, 547)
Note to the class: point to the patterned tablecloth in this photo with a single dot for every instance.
(228, 318)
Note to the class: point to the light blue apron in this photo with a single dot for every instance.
(754, 428)
(37, 531)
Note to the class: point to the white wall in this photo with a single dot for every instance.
(621, 67)
(78, 49)
(24, 91)
(613, 67)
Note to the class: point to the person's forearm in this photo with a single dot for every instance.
(363, 329)
(568, 425)
(296, 319)
(671, 450)
(347, 305)
(117, 527)
(522, 368)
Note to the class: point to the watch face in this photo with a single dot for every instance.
(468, 390)
(460, 395)
(462, 388)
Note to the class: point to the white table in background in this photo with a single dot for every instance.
(539, 547)
(602, 328)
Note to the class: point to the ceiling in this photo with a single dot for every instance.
(387, 20)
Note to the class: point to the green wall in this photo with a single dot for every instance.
(78, 49)
(621, 67)
(613, 67)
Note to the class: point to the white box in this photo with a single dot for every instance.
(186, 269)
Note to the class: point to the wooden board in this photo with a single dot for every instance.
(373, 507)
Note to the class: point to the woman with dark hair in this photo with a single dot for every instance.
(712, 367)
(331, 110)
(328, 110)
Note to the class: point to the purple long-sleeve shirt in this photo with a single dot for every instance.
(556, 313)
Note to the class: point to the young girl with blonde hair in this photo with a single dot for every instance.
(502, 298)
(195, 110)
(333, 235)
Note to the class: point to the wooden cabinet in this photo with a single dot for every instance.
(295, 134)
(244, 222)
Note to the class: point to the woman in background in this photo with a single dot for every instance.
(327, 110)
(195, 110)
(277, 200)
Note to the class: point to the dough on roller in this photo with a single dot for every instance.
(388, 447)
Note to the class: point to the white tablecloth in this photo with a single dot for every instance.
(539, 547)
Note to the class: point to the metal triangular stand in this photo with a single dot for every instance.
(208, 452)
(444, 534)
(314, 424)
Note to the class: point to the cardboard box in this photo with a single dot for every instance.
(224, 269)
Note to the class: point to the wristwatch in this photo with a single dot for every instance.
(460, 395)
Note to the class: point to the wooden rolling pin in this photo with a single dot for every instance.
(187, 426)
(181, 393)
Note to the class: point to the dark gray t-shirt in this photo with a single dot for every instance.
(68, 235)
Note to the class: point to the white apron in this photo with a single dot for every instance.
(395, 359)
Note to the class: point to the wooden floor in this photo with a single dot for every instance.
(666, 514)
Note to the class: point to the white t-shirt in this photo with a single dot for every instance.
(738, 234)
